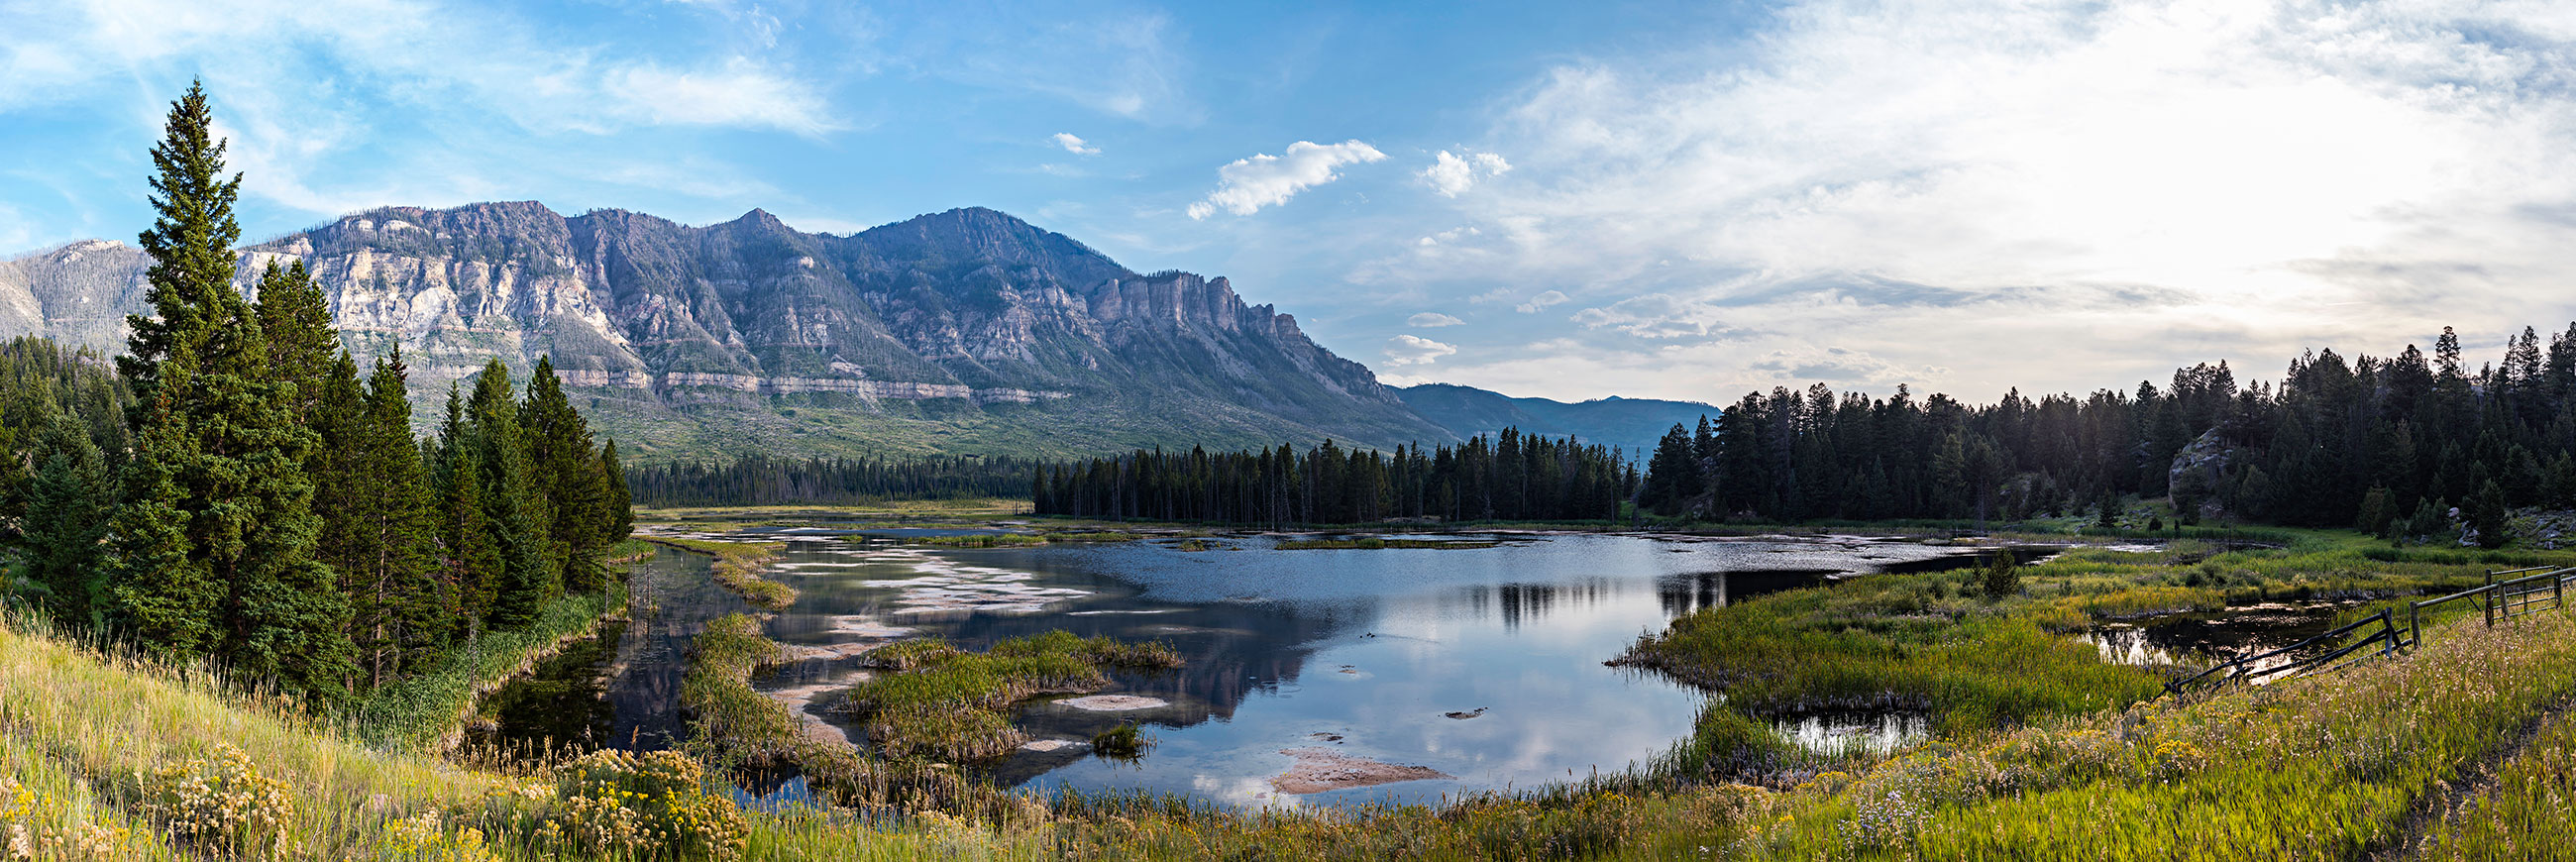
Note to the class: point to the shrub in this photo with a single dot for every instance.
(652, 806)
(221, 804)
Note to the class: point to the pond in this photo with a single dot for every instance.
(1482, 664)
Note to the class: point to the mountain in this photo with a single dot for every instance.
(1633, 424)
(967, 331)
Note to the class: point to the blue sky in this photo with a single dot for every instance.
(1681, 200)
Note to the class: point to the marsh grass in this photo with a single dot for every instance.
(949, 704)
(738, 566)
(980, 540)
(1123, 742)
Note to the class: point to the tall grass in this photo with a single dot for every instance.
(738, 566)
(948, 704)
(2524, 814)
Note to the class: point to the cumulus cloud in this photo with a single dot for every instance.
(1431, 319)
(1451, 175)
(1249, 184)
(2210, 175)
(1074, 145)
(1542, 301)
(1415, 350)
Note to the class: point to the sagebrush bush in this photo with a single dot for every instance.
(220, 804)
(649, 806)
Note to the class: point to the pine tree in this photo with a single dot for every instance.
(302, 343)
(621, 502)
(566, 473)
(65, 521)
(230, 445)
(166, 598)
(190, 244)
(469, 553)
(401, 609)
(518, 513)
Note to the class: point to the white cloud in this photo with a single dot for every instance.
(2208, 175)
(1541, 301)
(1249, 184)
(1431, 319)
(1415, 350)
(1074, 145)
(737, 93)
(1451, 175)
(1654, 315)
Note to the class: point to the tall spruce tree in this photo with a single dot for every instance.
(233, 444)
(302, 342)
(566, 473)
(382, 542)
(519, 513)
(166, 597)
(469, 553)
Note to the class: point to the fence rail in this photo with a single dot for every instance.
(2539, 588)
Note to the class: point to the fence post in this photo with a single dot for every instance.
(2415, 624)
(2487, 599)
(2558, 593)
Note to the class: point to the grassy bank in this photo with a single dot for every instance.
(427, 711)
(738, 566)
(947, 704)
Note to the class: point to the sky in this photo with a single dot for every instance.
(1564, 200)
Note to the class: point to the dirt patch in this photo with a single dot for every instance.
(1321, 769)
(1114, 703)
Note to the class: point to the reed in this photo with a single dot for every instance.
(738, 566)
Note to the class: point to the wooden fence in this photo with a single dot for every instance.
(2539, 588)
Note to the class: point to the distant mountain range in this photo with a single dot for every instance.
(1632, 424)
(967, 331)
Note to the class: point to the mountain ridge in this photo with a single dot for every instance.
(961, 331)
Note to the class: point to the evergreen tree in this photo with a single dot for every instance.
(231, 445)
(65, 522)
(166, 598)
(621, 506)
(297, 323)
(469, 553)
(531, 571)
(565, 470)
(2487, 515)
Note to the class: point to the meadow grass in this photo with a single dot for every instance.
(948, 704)
(738, 566)
(2324, 766)
(2522, 812)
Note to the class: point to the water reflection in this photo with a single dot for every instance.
(1850, 732)
(1485, 664)
(2201, 639)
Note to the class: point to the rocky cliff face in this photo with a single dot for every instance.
(937, 321)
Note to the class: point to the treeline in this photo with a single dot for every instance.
(761, 480)
(2388, 445)
(253, 502)
(1511, 476)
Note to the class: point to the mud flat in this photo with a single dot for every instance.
(1321, 769)
(1114, 703)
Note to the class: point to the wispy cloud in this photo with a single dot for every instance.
(1542, 301)
(1249, 184)
(1074, 145)
(1431, 320)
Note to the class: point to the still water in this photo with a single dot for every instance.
(1485, 664)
